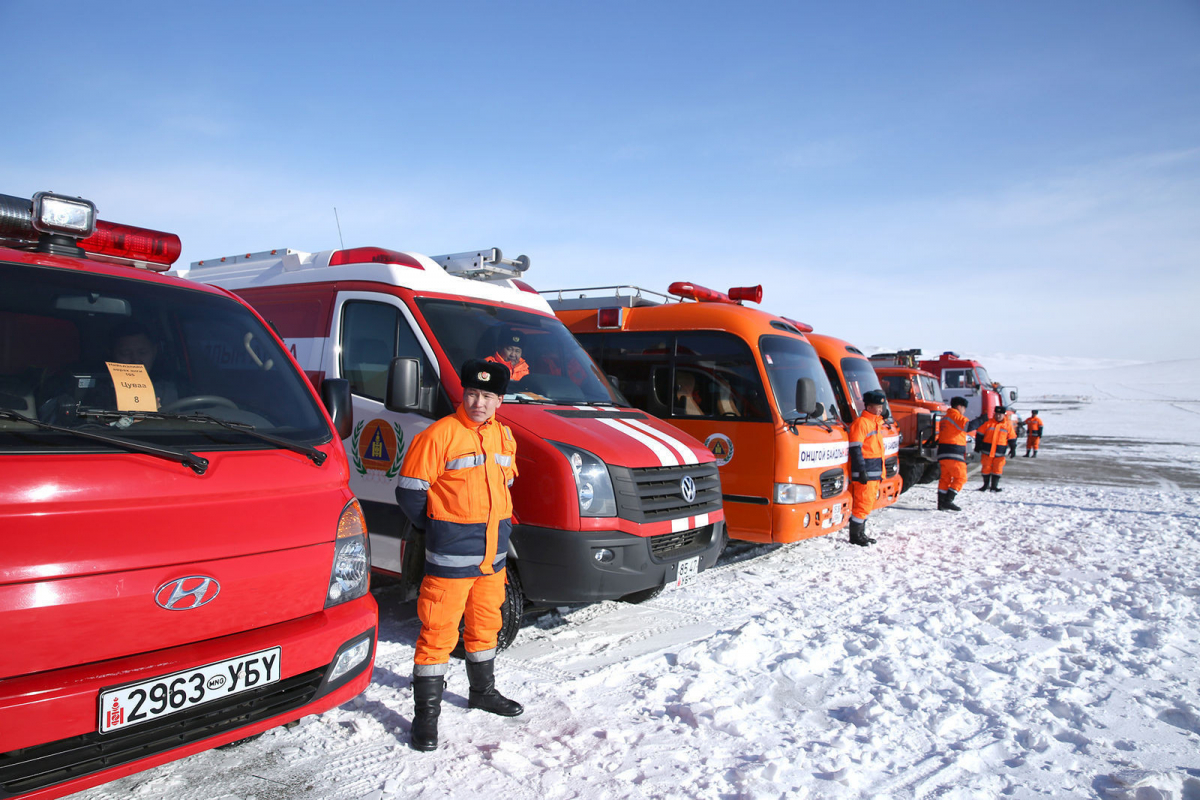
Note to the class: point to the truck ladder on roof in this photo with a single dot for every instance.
(483, 265)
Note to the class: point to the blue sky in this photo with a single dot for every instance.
(1006, 177)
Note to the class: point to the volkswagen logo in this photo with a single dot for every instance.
(687, 488)
(184, 594)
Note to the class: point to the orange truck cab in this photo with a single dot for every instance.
(609, 502)
(915, 398)
(851, 375)
(184, 563)
(964, 377)
(746, 383)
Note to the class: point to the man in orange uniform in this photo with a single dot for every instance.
(508, 353)
(454, 485)
(992, 442)
(866, 464)
(1033, 429)
(952, 453)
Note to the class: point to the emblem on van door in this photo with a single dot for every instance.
(184, 594)
(377, 448)
(687, 487)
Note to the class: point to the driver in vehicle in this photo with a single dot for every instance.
(131, 343)
(508, 353)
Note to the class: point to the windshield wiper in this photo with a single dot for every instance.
(198, 464)
(806, 419)
(313, 453)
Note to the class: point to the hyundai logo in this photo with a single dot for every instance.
(184, 594)
(687, 487)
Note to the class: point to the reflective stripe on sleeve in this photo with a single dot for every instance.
(482, 655)
(504, 461)
(443, 560)
(428, 670)
(416, 484)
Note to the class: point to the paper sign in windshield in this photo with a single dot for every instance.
(135, 392)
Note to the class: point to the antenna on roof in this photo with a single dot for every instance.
(339, 227)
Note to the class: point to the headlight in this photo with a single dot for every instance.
(350, 577)
(592, 482)
(788, 494)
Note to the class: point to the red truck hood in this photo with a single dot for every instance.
(89, 542)
(620, 436)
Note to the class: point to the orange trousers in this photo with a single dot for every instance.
(954, 475)
(863, 497)
(443, 602)
(1031, 443)
(993, 465)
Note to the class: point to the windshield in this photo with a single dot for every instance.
(547, 364)
(984, 380)
(787, 360)
(74, 345)
(930, 389)
(896, 387)
(860, 379)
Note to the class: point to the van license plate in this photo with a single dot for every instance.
(687, 571)
(142, 702)
(837, 514)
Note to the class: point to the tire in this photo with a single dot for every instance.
(643, 595)
(910, 474)
(932, 472)
(510, 616)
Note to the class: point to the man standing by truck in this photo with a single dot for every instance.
(1033, 430)
(454, 485)
(866, 464)
(952, 453)
(992, 440)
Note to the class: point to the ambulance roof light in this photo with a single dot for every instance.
(372, 255)
(483, 264)
(702, 294)
(751, 293)
(153, 249)
(804, 327)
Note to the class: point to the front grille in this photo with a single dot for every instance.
(653, 494)
(680, 545)
(891, 467)
(832, 482)
(43, 765)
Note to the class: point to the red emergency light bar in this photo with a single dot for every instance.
(694, 291)
(372, 255)
(158, 250)
(523, 286)
(803, 326)
(751, 293)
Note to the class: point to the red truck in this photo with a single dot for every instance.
(964, 377)
(184, 562)
(915, 398)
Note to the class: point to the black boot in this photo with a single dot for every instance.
(950, 495)
(987, 483)
(1035, 453)
(858, 534)
(996, 484)
(483, 695)
(941, 500)
(427, 706)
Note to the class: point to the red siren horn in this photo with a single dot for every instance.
(751, 293)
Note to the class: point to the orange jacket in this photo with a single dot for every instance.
(454, 484)
(866, 447)
(995, 435)
(518, 370)
(1033, 426)
(952, 435)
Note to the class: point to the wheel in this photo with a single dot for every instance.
(510, 616)
(200, 400)
(910, 474)
(932, 472)
(643, 595)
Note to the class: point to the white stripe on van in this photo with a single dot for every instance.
(665, 457)
(685, 452)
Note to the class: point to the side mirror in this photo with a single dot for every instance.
(806, 396)
(404, 385)
(335, 394)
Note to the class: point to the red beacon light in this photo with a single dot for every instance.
(751, 293)
(372, 255)
(610, 318)
(152, 249)
(694, 291)
(803, 326)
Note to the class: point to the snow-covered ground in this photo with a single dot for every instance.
(1043, 643)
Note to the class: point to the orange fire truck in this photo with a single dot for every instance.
(915, 398)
